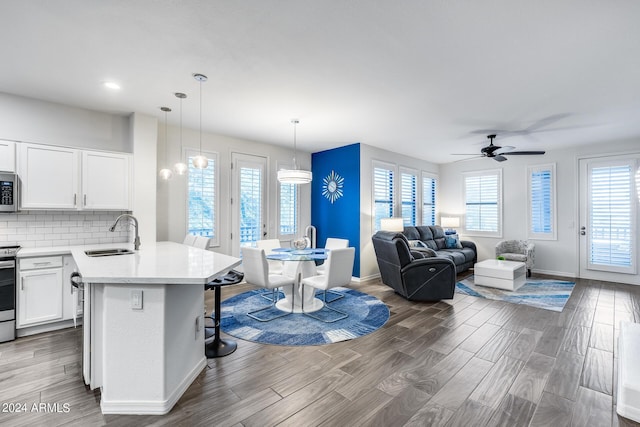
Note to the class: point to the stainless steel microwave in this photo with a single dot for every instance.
(9, 186)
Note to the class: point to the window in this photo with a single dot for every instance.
(542, 202)
(611, 216)
(382, 193)
(408, 197)
(288, 209)
(428, 199)
(202, 186)
(483, 202)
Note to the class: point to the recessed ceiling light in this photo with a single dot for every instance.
(111, 85)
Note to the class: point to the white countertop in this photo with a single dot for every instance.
(161, 263)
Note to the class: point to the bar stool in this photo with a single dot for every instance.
(218, 347)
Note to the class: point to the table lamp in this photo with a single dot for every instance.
(450, 223)
(392, 224)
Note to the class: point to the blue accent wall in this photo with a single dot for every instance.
(341, 218)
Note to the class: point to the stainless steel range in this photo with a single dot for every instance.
(8, 292)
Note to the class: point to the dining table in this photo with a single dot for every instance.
(298, 263)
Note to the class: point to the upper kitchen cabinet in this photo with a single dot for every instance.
(49, 177)
(7, 156)
(59, 178)
(105, 181)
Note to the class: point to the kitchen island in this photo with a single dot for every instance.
(144, 323)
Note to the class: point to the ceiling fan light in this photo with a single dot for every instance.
(294, 176)
(200, 162)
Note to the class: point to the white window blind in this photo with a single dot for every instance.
(542, 222)
(483, 196)
(611, 213)
(201, 216)
(250, 205)
(288, 209)
(382, 194)
(408, 197)
(428, 200)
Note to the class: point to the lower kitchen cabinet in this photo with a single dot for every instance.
(40, 291)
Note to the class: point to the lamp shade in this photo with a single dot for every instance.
(450, 221)
(294, 176)
(392, 224)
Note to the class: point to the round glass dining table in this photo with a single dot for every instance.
(299, 263)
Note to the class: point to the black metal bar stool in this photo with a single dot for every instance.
(219, 347)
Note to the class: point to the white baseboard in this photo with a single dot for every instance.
(47, 327)
(365, 279)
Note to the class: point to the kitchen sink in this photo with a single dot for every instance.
(108, 252)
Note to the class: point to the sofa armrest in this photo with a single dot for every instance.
(470, 245)
(429, 279)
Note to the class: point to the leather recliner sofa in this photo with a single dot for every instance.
(410, 273)
(433, 237)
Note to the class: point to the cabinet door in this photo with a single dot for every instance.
(39, 296)
(105, 181)
(7, 156)
(49, 177)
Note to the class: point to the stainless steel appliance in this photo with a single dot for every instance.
(9, 186)
(8, 292)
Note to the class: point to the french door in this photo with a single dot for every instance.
(248, 202)
(609, 218)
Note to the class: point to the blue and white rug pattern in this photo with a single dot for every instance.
(366, 314)
(547, 294)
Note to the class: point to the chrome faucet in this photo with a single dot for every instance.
(136, 241)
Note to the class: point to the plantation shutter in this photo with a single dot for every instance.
(482, 201)
(408, 198)
(428, 200)
(202, 197)
(382, 194)
(288, 209)
(250, 205)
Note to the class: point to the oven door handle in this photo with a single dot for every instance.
(7, 264)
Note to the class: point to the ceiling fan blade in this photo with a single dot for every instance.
(464, 154)
(499, 158)
(505, 149)
(522, 153)
(469, 158)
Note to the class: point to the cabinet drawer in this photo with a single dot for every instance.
(40, 262)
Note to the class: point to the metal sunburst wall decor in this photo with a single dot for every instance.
(332, 186)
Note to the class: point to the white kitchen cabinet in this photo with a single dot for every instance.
(105, 181)
(59, 178)
(7, 156)
(49, 177)
(40, 291)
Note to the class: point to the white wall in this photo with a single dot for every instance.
(559, 257)
(172, 195)
(368, 263)
(33, 120)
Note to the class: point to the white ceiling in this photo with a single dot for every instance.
(422, 78)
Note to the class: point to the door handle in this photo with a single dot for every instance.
(583, 231)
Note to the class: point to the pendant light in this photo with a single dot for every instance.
(200, 161)
(180, 168)
(295, 175)
(165, 173)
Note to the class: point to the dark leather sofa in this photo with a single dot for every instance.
(410, 273)
(433, 237)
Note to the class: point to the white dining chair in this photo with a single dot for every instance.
(275, 267)
(202, 242)
(256, 272)
(332, 243)
(189, 240)
(338, 273)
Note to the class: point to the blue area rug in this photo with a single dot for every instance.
(548, 294)
(366, 314)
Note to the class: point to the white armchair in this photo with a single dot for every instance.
(518, 250)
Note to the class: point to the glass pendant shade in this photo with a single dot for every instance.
(165, 173)
(180, 168)
(294, 176)
(200, 162)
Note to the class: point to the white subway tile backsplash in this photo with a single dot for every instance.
(53, 228)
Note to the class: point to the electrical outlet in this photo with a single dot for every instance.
(136, 299)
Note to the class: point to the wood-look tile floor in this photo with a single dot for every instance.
(463, 362)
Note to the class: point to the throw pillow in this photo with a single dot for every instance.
(417, 244)
(452, 241)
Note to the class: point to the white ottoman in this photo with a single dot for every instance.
(493, 273)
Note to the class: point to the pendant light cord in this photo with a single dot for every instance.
(295, 147)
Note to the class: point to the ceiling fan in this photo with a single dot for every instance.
(497, 152)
